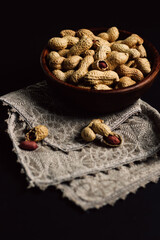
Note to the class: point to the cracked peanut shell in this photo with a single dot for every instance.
(37, 133)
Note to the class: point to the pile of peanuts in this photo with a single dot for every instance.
(102, 62)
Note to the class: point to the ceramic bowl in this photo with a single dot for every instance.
(103, 101)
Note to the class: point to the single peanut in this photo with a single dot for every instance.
(97, 42)
(120, 47)
(101, 52)
(84, 44)
(97, 126)
(112, 140)
(142, 51)
(28, 145)
(124, 82)
(55, 60)
(71, 62)
(101, 128)
(133, 40)
(100, 65)
(109, 138)
(111, 35)
(71, 40)
(37, 133)
(87, 134)
(85, 32)
(143, 65)
(83, 69)
(58, 43)
(67, 32)
(63, 76)
(94, 77)
(134, 73)
(115, 59)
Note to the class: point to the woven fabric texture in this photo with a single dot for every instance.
(83, 170)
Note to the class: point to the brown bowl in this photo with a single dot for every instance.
(103, 101)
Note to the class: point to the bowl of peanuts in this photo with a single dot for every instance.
(100, 70)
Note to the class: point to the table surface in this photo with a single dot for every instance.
(35, 214)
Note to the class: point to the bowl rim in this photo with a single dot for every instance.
(148, 79)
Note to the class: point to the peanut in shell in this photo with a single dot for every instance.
(37, 133)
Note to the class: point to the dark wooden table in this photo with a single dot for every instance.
(34, 214)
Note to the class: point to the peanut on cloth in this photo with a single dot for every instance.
(97, 126)
(37, 133)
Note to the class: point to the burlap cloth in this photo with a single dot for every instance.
(89, 174)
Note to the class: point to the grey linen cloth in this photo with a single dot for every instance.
(89, 174)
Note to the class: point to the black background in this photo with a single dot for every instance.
(30, 213)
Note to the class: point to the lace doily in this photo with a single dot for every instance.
(63, 156)
(95, 191)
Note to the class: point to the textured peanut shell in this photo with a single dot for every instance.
(85, 32)
(120, 47)
(133, 40)
(96, 65)
(57, 43)
(111, 35)
(84, 44)
(96, 121)
(87, 134)
(55, 60)
(101, 52)
(63, 52)
(71, 40)
(99, 75)
(90, 52)
(101, 129)
(131, 63)
(83, 69)
(52, 55)
(97, 42)
(101, 87)
(63, 76)
(94, 82)
(39, 133)
(133, 53)
(142, 51)
(71, 62)
(67, 32)
(143, 65)
(125, 82)
(56, 65)
(134, 73)
(115, 58)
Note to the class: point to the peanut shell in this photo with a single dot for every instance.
(37, 133)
